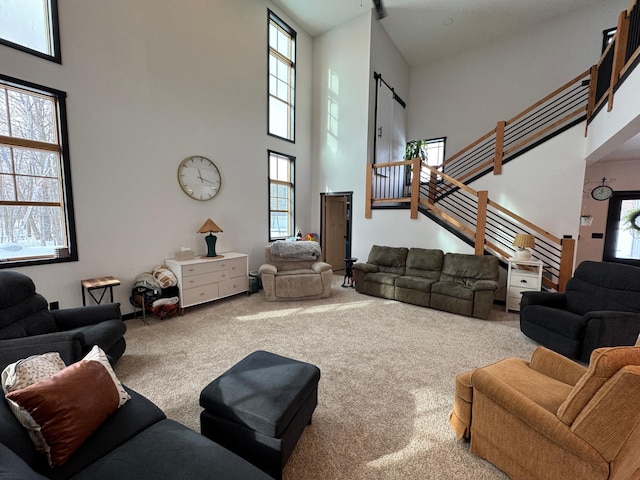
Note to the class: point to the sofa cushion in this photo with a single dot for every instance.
(171, 450)
(415, 283)
(453, 289)
(389, 259)
(13, 467)
(466, 269)
(384, 278)
(423, 262)
(604, 363)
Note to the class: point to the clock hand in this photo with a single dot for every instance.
(200, 176)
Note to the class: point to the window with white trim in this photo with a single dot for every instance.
(281, 196)
(36, 211)
(31, 26)
(282, 74)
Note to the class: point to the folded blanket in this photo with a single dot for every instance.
(299, 250)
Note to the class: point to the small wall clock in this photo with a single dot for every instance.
(602, 192)
(199, 178)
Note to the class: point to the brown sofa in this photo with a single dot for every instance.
(291, 278)
(452, 282)
(551, 418)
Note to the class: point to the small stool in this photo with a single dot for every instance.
(96, 283)
(259, 408)
(348, 274)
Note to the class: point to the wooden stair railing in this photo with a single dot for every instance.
(562, 107)
(477, 217)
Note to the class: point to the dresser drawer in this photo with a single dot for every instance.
(204, 267)
(192, 296)
(237, 267)
(233, 286)
(524, 280)
(203, 279)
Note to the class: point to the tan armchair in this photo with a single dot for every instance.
(286, 278)
(552, 418)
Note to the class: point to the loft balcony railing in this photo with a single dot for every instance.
(618, 59)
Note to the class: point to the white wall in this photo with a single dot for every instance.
(463, 96)
(340, 161)
(149, 83)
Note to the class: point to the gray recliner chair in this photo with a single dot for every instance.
(290, 278)
(28, 327)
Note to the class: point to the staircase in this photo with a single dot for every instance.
(443, 193)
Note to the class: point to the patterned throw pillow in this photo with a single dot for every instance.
(22, 374)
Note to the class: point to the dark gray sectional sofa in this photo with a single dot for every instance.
(137, 442)
(452, 282)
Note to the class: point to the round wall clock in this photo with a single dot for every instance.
(199, 178)
(602, 192)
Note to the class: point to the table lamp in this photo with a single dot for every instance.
(210, 227)
(522, 242)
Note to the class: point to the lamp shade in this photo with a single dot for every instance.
(524, 240)
(210, 226)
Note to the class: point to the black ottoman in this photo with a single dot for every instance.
(259, 408)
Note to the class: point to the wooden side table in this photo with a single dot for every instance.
(103, 283)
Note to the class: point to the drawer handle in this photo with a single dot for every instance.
(523, 281)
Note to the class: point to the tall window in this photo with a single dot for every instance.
(31, 26)
(281, 196)
(36, 216)
(282, 75)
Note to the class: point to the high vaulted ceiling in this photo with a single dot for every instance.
(424, 30)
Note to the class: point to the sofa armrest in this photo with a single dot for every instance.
(320, 267)
(70, 346)
(267, 269)
(69, 318)
(608, 329)
(556, 366)
(365, 267)
(548, 299)
(484, 285)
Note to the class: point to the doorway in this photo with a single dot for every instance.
(335, 225)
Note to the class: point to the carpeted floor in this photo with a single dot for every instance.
(387, 382)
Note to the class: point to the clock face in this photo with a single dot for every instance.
(601, 192)
(199, 178)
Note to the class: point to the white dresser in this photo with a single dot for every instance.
(523, 275)
(204, 279)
